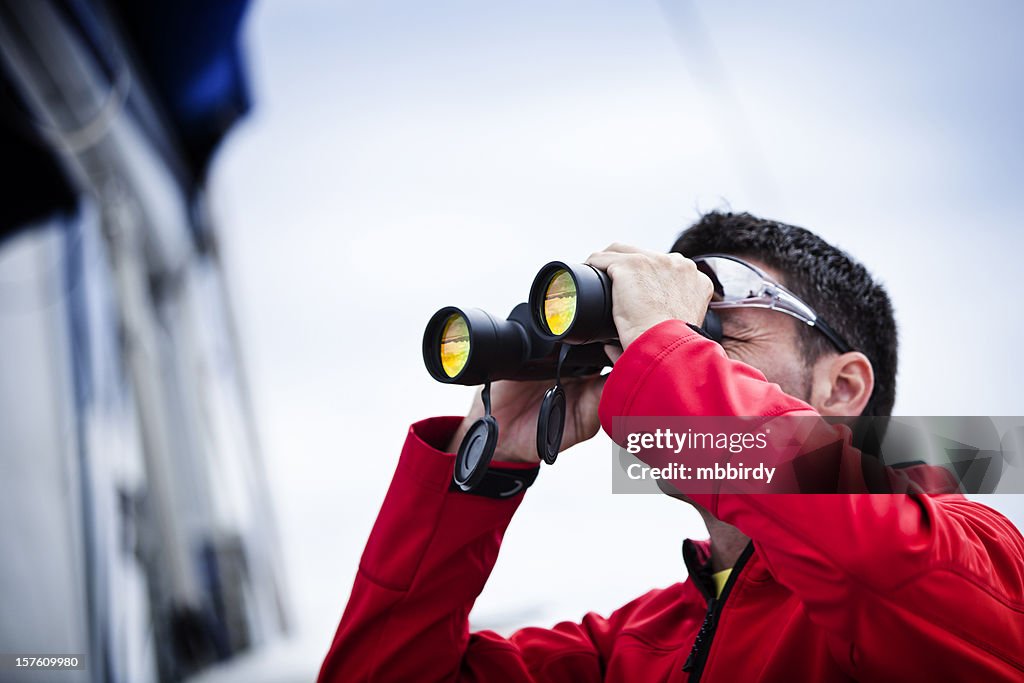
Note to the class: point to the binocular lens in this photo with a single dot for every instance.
(454, 345)
(560, 302)
(572, 304)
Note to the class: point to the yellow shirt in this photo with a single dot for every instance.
(720, 578)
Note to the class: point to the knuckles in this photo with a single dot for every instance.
(707, 288)
(653, 264)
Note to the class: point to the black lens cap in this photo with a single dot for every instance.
(551, 424)
(475, 453)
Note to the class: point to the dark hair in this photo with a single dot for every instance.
(836, 286)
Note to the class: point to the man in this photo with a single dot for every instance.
(790, 587)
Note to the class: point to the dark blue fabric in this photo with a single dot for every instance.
(190, 53)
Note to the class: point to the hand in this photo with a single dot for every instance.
(516, 405)
(650, 287)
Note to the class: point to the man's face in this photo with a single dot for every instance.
(766, 340)
(769, 341)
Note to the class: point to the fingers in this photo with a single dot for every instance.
(617, 254)
(651, 287)
(616, 251)
(476, 407)
(584, 392)
(620, 248)
(603, 260)
(613, 351)
(584, 408)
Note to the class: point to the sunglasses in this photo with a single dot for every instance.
(739, 284)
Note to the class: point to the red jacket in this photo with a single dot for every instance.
(833, 587)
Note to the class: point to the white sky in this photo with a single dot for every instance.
(404, 156)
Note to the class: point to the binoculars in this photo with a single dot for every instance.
(569, 304)
(560, 331)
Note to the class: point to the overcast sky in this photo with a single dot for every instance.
(404, 156)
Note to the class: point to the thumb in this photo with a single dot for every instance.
(613, 351)
(586, 403)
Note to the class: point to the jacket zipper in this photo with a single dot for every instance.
(704, 634)
(698, 656)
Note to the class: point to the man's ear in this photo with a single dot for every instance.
(842, 384)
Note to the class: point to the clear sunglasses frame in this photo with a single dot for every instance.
(761, 292)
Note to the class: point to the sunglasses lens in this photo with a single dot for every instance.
(733, 281)
(559, 305)
(454, 345)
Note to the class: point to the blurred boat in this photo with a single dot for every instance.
(134, 511)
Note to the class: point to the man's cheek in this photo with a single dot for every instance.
(745, 353)
(795, 381)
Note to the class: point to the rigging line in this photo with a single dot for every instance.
(79, 138)
(702, 61)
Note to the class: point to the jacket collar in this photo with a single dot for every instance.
(697, 558)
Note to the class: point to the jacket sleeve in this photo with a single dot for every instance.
(932, 577)
(428, 556)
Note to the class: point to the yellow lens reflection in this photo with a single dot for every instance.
(454, 345)
(560, 302)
